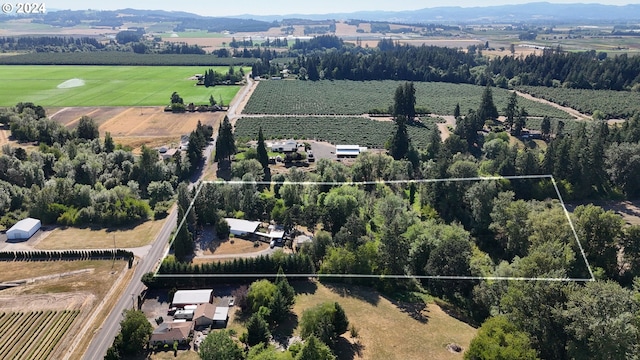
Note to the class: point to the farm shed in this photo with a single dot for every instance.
(23, 229)
(192, 297)
(167, 333)
(349, 151)
(284, 146)
(300, 240)
(221, 316)
(204, 315)
(242, 227)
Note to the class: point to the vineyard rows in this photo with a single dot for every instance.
(337, 130)
(343, 97)
(613, 104)
(33, 334)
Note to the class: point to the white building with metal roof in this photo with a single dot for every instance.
(192, 297)
(24, 229)
(241, 227)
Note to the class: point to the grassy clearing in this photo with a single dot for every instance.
(239, 246)
(108, 85)
(388, 331)
(100, 238)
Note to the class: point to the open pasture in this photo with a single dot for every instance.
(60, 86)
(340, 130)
(343, 97)
(388, 329)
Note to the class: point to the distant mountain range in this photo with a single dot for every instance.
(537, 11)
(543, 12)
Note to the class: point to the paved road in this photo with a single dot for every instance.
(103, 339)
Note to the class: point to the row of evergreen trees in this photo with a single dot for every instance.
(65, 255)
(252, 269)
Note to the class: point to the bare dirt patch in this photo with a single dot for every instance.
(56, 302)
(4, 135)
(154, 121)
(135, 126)
(629, 210)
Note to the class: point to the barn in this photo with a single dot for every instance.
(23, 229)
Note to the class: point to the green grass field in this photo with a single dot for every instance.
(107, 85)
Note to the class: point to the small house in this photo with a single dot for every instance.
(284, 146)
(203, 316)
(24, 229)
(168, 333)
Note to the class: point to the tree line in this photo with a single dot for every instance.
(393, 61)
(76, 178)
(65, 255)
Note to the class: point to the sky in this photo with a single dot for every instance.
(277, 7)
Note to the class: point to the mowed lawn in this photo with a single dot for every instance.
(108, 85)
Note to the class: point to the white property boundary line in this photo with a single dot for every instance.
(415, 181)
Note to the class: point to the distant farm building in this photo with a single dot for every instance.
(240, 227)
(284, 146)
(349, 151)
(24, 229)
(168, 333)
(192, 297)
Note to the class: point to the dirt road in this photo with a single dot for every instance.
(573, 112)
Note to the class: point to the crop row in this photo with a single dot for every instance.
(613, 104)
(33, 335)
(53, 335)
(337, 130)
(343, 97)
